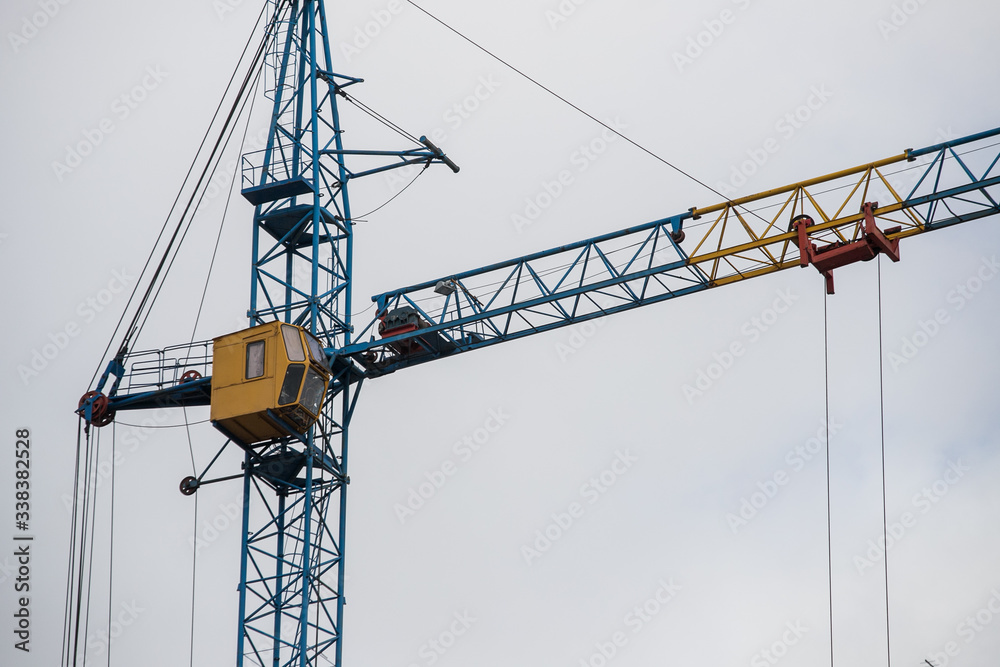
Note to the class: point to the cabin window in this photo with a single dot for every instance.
(255, 359)
(312, 392)
(317, 350)
(290, 387)
(293, 343)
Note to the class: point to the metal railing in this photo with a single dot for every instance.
(158, 369)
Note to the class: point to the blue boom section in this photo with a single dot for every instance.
(949, 190)
(528, 295)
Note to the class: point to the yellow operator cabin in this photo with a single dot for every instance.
(268, 382)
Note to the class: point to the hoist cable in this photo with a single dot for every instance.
(361, 218)
(881, 413)
(218, 238)
(111, 538)
(251, 74)
(177, 198)
(67, 620)
(129, 332)
(194, 540)
(81, 553)
(379, 117)
(90, 558)
(80, 568)
(829, 522)
(144, 426)
(215, 158)
(81, 550)
(210, 169)
(187, 425)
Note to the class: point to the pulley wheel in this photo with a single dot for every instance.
(190, 376)
(189, 485)
(100, 415)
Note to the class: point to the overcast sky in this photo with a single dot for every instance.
(465, 579)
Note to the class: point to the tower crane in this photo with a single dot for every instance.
(284, 390)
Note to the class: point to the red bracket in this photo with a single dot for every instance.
(838, 254)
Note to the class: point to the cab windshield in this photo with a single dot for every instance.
(312, 392)
(316, 350)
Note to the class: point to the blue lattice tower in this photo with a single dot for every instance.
(292, 567)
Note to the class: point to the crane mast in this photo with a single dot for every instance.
(292, 566)
(291, 591)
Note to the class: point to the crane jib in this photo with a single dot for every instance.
(852, 215)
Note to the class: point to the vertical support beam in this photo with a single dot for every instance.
(342, 533)
(307, 563)
(345, 203)
(305, 582)
(315, 176)
(240, 647)
(279, 580)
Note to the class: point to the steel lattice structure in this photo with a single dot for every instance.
(292, 564)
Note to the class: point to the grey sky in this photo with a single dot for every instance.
(138, 82)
